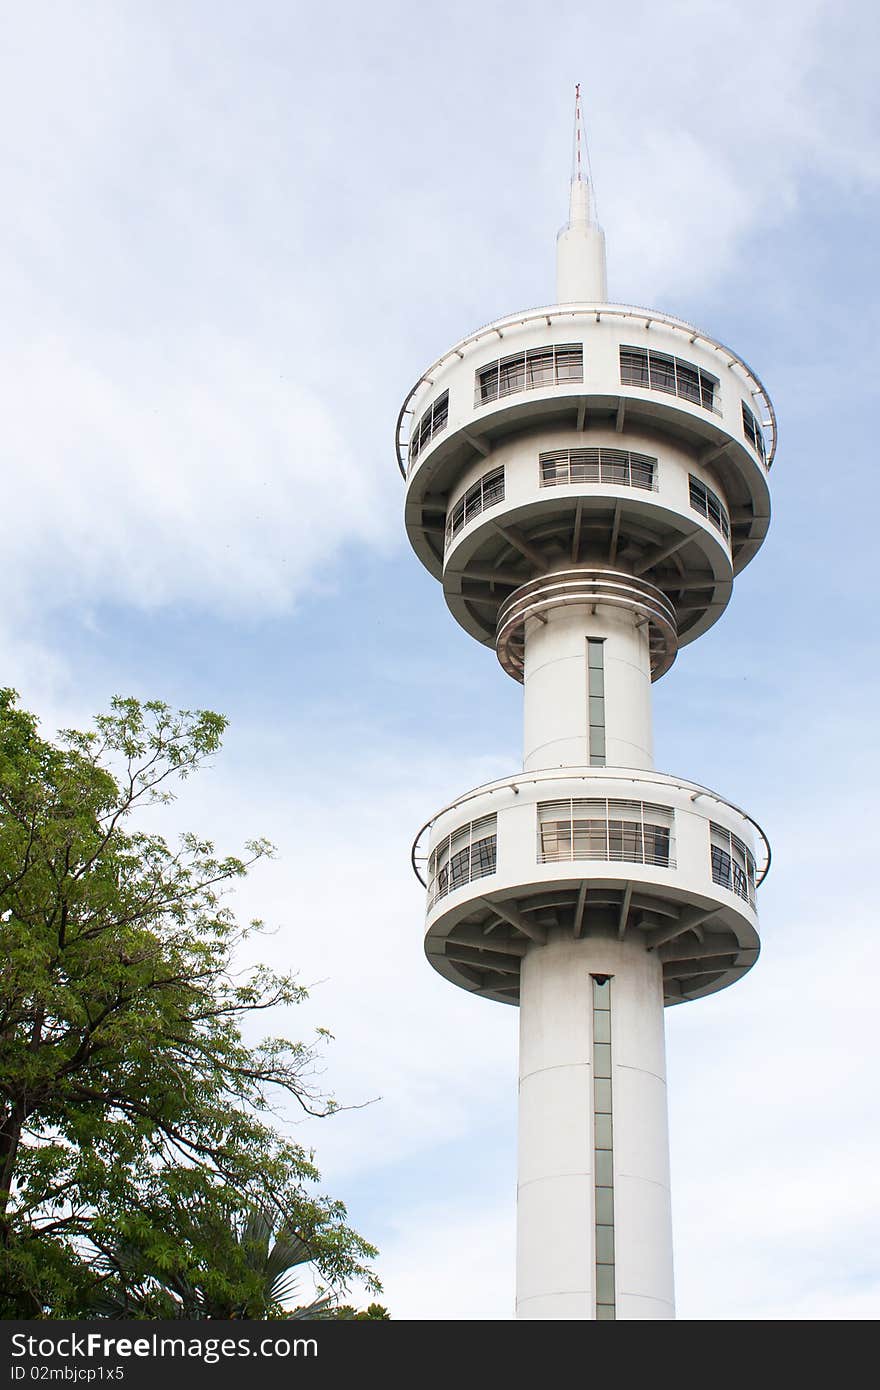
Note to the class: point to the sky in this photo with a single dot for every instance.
(234, 236)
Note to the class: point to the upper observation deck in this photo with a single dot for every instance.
(589, 369)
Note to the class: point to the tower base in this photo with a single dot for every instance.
(594, 1234)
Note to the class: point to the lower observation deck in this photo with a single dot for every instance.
(608, 852)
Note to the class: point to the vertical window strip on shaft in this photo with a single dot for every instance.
(468, 853)
(485, 492)
(596, 700)
(603, 1150)
(662, 372)
(529, 371)
(619, 467)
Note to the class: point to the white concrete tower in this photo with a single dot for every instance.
(585, 480)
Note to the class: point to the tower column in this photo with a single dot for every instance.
(587, 688)
(585, 480)
(594, 1235)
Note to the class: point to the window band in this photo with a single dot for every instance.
(709, 505)
(432, 422)
(482, 494)
(661, 372)
(733, 865)
(754, 433)
(635, 832)
(468, 853)
(529, 371)
(618, 467)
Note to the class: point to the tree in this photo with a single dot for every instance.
(345, 1312)
(128, 1096)
(251, 1272)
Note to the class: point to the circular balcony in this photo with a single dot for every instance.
(610, 852)
(579, 379)
(585, 586)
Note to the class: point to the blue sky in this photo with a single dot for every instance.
(234, 236)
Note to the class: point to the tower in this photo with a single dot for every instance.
(585, 480)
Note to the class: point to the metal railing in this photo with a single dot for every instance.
(588, 775)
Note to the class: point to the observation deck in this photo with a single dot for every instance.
(587, 434)
(614, 853)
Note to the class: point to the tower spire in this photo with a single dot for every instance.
(580, 249)
(576, 151)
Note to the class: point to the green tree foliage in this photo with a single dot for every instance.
(251, 1272)
(133, 1114)
(345, 1312)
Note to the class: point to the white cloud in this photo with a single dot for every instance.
(722, 122)
(221, 483)
(451, 1260)
(174, 234)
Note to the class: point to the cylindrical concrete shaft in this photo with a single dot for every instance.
(556, 1206)
(580, 273)
(556, 705)
(580, 253)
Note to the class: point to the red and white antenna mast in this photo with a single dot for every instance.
(576, 160)
(581, 243)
